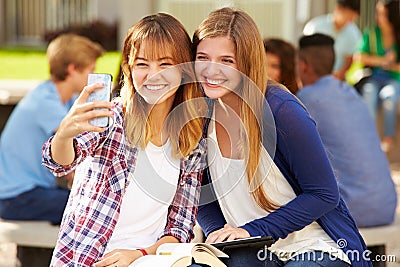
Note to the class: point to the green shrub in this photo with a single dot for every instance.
(97, 31)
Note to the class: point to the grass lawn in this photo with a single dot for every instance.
(28, 64)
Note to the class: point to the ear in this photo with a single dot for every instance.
(71, 69)
(303, 66)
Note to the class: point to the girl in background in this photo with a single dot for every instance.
(379, 49)
(281, 63)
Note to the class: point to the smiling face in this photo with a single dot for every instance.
(155, 79)
(216, 67)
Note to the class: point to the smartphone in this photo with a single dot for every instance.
(101, 94)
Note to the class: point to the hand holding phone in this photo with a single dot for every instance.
(102, 94)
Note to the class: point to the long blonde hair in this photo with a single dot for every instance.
(161, 33)
(239, 27)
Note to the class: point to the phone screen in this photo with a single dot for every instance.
(102, 94)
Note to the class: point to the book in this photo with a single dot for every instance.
(181, 254)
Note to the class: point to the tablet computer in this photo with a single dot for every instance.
(256, 241)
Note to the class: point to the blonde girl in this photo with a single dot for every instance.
(267, 165)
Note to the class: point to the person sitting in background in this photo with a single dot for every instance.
(379, 49)
(281, 63)
(28, 190)
(340, 25)
(348, 133)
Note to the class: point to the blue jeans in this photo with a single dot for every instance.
(382, 87)
(41, 204)
(264, 258)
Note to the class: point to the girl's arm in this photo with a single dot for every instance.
(301, 158)
(61, 149)
(77, 122)
(209, 216)
(369, 60)
(124, 257)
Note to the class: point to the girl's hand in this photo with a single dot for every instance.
(77, 119)
(227, 233)
(118, 257)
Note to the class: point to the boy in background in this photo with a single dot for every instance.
(28, 190)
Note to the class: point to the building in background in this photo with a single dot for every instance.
(25, 22)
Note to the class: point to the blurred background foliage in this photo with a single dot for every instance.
(28, 63)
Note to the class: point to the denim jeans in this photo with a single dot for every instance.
(45, 204)
(381, 87)
(264, 258)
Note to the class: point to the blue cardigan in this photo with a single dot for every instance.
(301, 157)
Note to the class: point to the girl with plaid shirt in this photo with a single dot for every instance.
(137, 180)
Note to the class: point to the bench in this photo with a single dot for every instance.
(29, 233)
(11, 91)
(387, 241)
(35, 240)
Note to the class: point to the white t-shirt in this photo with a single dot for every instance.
(238, 206)
(144, 207)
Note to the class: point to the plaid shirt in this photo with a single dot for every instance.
(100, 181)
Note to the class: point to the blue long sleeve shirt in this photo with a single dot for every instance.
(301, 157)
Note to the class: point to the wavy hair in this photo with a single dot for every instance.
(239, 27)
(162, 34)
